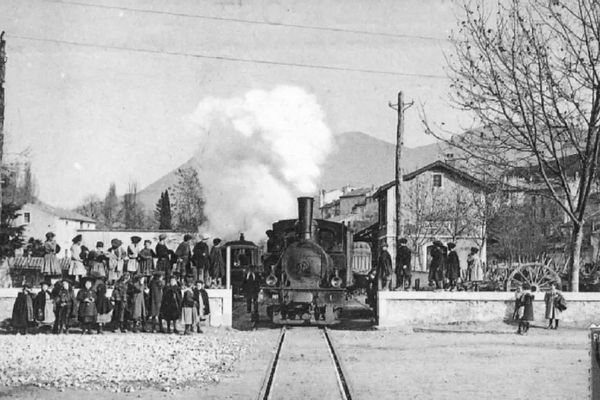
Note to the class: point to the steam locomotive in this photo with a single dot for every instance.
(309, 269)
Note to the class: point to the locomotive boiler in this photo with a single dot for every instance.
(308, 263)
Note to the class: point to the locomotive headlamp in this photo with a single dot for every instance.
(271, 280)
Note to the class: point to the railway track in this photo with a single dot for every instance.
(305, 365)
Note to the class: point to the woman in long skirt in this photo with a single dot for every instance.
(189, 312)
(98, 261)
(146, 257)
(87, 312)
(119, 297)
(76, 268)
(527, 302)
(116, 260)
(137, 304)
(133, 252)
(156, 293)
(162, 253)
(51, 265)
(170, 306)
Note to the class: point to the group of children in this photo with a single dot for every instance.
(132, 305)
(523, 313)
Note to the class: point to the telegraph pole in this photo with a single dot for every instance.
(2, 75)
(400, 107)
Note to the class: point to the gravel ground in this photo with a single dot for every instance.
(549, 365)
(118, 362)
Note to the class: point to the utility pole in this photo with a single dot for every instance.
(2, 74)
(400, 107)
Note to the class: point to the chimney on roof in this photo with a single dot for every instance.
(449, 159)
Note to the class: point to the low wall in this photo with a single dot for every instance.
(220, 305)
(397, 309)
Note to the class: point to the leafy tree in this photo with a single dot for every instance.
(162, 214)
(528, 71)
(11, 236)
(91, 207)
(188, 200)
(34, 248)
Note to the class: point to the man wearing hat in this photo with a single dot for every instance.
(436, 266)
(384, 267)
(217, 265)
(184, 254)
(162, 253)
(116, 260)
(200, 258)
(452, 266)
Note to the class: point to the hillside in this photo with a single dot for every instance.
(358, 159)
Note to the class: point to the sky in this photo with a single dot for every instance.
(91, 115)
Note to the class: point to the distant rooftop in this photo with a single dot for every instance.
(63, 214)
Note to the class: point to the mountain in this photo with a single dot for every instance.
(357, 159)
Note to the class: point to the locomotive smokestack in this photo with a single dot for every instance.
(305, 216)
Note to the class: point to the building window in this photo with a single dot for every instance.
(81, 225)
(27, 217)
(437, 180)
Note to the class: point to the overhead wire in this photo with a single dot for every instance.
(249, 21)
(225, 58)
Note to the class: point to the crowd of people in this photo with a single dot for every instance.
(149, 286)
(445, 272)
(134, 305)
(193, 258)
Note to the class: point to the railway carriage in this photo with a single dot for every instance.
(308, 261)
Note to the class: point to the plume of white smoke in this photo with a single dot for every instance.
(258, 152)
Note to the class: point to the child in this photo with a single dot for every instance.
(97, 259)
(189, 314)
(116, 260)
(146, 257)
(156, 293)
(201, 302)
(119, 298)
(43, 307)
(22, 315)
(170, 307)
(87, 312)
(64, 306)
(518, 312)
(137, 304)
(103, 306)
(527, 302)
(76, 268)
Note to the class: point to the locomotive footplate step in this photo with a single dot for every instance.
(305, 368)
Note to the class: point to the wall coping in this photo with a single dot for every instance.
(478, 296)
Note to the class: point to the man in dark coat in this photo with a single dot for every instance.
(452, 266)
(403, 269)
(201, 259)
(217, 264)
(251, 286)
(184, 255)
(64, 299)
(384, 268)
(436, 266)
(170, 307)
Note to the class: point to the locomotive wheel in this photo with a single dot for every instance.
(536, 274)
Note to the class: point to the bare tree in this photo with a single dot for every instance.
(528, 72)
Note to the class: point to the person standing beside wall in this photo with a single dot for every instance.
(403, 267)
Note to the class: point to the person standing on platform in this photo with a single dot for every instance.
(146, 258)
(133, 252)
(98, 260)
(201, 258)
(436, 265)
(116, 260)
(163, 255)
(76, 267)
(452, 266)
(51, 265)
(217, 265)
(384, 268)
(184, 255)
(251, 286)
(403, 269)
